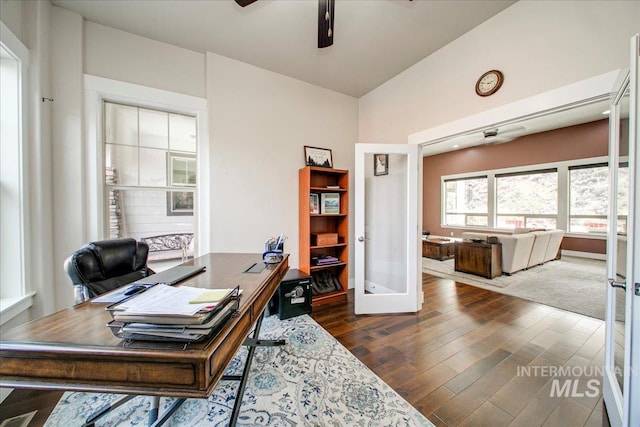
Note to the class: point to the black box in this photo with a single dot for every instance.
(293, 296)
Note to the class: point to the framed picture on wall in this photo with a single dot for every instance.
(321, 157)
(179, 203)
(380, 164)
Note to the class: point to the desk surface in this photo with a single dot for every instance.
(73, 349)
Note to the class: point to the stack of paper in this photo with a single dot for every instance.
(180, 313)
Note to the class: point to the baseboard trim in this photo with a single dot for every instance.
(579, 254)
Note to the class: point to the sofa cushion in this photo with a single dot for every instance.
(555, 240)
(539, 247)
(516, 250)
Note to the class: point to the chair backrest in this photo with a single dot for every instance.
(106, 265)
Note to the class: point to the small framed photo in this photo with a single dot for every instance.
(321, 157)
(330, 203)
(314, 203)
(380, 164)
(179, 203)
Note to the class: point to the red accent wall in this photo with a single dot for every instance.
(570, 143)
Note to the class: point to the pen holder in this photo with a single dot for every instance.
(272, 257)
(272, 247)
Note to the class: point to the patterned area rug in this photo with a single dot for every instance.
(571, 283)
(311, 381)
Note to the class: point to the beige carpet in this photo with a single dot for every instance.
(574, 284)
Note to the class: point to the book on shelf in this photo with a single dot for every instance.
(330, 203)
(333, 187)
(324, 260)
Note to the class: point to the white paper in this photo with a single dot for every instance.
(164, 300)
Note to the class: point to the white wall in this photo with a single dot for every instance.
(126, 57)
(37, 33)
(259, 123)
(11, 14)
(538, 45)
(68, 150)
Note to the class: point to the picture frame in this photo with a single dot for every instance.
(330, 203)
(320, 157)
(380, 164)
(314, 203)
(180, 203)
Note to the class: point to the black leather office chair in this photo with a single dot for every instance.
(102, 266)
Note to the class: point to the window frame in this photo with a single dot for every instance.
(97, 91)
(15, 297)
(562, 168)
(525, 215)
(445, 212)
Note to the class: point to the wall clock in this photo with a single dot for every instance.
(489, 83)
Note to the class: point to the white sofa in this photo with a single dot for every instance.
(524, 248)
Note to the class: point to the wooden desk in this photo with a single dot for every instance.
(74, 350)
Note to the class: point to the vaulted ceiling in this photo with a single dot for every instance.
(374, 40)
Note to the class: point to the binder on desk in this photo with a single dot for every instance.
(166, 313)
(175, 332)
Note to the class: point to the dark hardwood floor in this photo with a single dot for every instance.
(460, 361)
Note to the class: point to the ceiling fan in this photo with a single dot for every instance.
(326, 9)
(490, 136)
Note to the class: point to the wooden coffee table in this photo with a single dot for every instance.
(479, 258)
(438, 247)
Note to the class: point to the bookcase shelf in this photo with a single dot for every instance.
(315, 180)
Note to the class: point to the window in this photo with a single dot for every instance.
(11, 189)
(466, 201)
(527, 199)
(589, 196)
(150, 178)
(571, 195)
(623, 197)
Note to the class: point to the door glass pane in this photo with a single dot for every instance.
(386, 224)
(622, 200)
(154, 129)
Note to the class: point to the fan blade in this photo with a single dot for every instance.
(326, 9)
(245, 3)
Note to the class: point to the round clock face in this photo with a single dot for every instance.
(489, 83)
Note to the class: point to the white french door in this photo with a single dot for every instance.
(621, 387)
(387, 229)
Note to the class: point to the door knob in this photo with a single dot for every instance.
(361, 239)
(621, 285)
